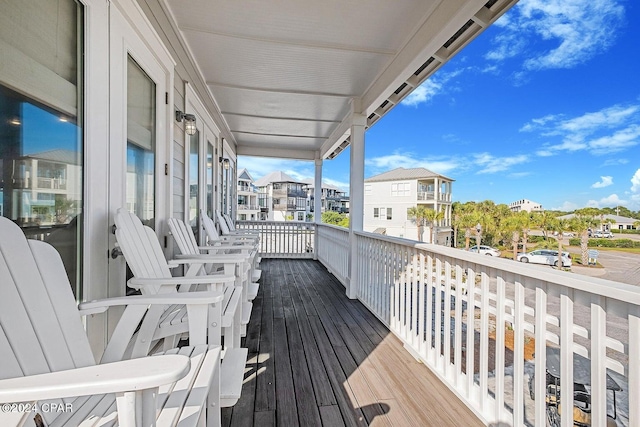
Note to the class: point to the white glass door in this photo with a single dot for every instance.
(141, 75)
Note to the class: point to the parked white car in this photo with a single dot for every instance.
(485, 250)
(603, 234)
(545, 256)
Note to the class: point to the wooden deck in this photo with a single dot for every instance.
(317, 358)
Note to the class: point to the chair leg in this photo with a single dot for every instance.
(214, 418)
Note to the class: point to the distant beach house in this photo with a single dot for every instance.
(333, 198)
(611, 222)
(388, 196)
(525, 205)
(248, 208)
(283, 198)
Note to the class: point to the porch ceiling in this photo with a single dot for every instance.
(284, 73)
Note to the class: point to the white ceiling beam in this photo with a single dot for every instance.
(281, 153)
(281, 135)
(305, 44)
(298, 119)
(283, 91)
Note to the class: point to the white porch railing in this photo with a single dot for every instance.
(283, 239)
(333, 250)
(512, 308)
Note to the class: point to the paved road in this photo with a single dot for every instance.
(618, 266)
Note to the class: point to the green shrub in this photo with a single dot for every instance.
(624, 243)
(574, 241)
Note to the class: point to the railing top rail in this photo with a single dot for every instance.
(334, 227)
(595, 285)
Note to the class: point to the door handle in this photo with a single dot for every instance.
(116, 252)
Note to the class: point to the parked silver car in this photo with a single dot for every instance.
(485, 250)
(545, 256)
(603, 234)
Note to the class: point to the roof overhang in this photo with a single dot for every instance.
(288, 76)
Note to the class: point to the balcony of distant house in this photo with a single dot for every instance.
(427, 192)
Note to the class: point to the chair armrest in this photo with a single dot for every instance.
(226, 247)
(188, 298)
(213, 258)
(196, 280)
(118, 377)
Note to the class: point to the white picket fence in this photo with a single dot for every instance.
(431, 296)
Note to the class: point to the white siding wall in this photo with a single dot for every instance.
(380, 196)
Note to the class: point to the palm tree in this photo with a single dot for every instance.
(585, 219)
(512, 226)
(432, 217)
(418, 214)
(543, 220)
(560, 226)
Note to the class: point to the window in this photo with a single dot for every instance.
(141, 143)
(367, 189)
(300, 216)
(210, 177)
(389, 213)
(400, 189)
(41, 144)
(376, 212)
(194, 179)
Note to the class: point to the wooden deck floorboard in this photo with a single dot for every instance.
(317, 358)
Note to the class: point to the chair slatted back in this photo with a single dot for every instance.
(230, 223)
(224, 227)
(184, 237)
(140, 247)
(41, 328)
(209, 228)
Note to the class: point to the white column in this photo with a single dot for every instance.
(356, 197)
(317, 203)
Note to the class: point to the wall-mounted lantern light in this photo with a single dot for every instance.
(189, 122)
(225, 162)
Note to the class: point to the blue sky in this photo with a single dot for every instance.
(544, 105)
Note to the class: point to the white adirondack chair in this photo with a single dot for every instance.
(218, 257)
(214, 239)
(231, 231)
(48, 374)
(141, 249)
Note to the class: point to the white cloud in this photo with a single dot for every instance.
(609, 201)
(551, 34)
(610, 130)
(545, 153)
(491, 164)
(620, 140)
(538, 123)
(344, 186)
(615, 162)
(261, 166)
(440, 165)
(606, 181)
(422, 93)
(566, 207)
(519, 174)
(508, 46)
(635, 182)
(430, 88)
